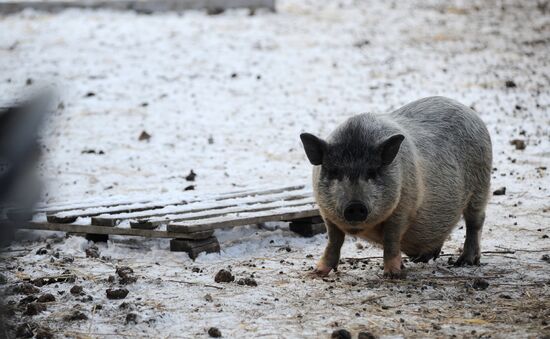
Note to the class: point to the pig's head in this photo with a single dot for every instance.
(357, 178)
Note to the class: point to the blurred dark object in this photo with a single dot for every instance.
(19, 153)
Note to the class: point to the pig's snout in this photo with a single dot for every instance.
(356, 211)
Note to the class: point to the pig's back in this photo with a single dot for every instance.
(446, 133)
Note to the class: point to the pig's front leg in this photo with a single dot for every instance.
(393, 266)
(331, 257)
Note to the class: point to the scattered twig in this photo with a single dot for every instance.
(373, 298)
(9, 250)
(193, 283)
(506, 251)
(525, 250)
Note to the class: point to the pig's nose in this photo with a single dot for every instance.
(355, 211)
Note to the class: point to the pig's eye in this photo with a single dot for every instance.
(371, 174)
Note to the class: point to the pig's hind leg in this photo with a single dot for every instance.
(474, 216)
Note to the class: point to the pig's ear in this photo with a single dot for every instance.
(389, 148)
(314, 147)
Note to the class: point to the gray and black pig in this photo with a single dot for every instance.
(403, 180)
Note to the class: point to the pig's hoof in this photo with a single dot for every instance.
(467, 259)
(401, 274)
(322, 270)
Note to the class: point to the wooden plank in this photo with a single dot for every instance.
(124, 210)
(94, 203)
(110, 202)
(195, 247)
(203, 213)
(111, 220)
(283, 214)
(201, 234)
(142, 6)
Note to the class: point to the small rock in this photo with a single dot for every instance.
(214, 332)
(44, 333)
(500, 191)
(144, 136)
(510, 84)
(26, 288)
(366, 335)
(545, 257)
(341, 334)
(208, 298)
(34, 309)
(131, 318)
(86, 299)
(480, 284)
(75, 315)
(120, 293)
(359, 246)
(519, 143)
(111, 279)
(247, 282)
(67, 259)
(24, 331)
(210, 140)
(361, 43)
(189, 188)
(42, 251)
(125, 306)
(76, 290)
(92, 252)
(191, 176)
(89, 95)
(3, 279)
(224, 276)
(92, 151)
(505, 296)
(126, 275)
(27, 300)
(46, 298)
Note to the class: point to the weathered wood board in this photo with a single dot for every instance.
(140, 6)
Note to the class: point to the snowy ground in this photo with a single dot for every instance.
(227, 96)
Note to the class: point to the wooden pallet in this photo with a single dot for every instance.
(189, 221)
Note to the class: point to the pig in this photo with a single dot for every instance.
(403, 180)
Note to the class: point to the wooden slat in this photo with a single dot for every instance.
(67, 206)
(95, 203)
(230, 220)
(72, 215)
(272, 195)
(202, 213)
(142, 6)
(210, 213)
(201, 234)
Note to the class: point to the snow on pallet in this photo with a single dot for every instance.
(189, 222)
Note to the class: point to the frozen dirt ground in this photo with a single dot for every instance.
(227, 96)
